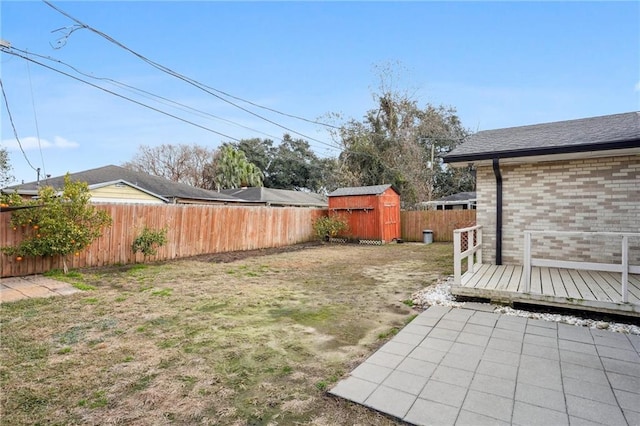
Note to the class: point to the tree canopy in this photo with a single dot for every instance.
(231, 169)
(178, 163)
(290, 165)
(400, 143)
(5, 168)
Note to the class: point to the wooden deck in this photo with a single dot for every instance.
(566, 288)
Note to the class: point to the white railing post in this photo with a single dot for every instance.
(479, 252)
(457, 258)
(470, 245)
(527, 262)
(625, 269)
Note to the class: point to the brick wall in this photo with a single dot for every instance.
(577, 195)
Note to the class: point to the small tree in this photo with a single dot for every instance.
(59, 223)
(149, 240)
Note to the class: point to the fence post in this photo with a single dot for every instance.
(625, 269)
(527, 262)
(457, 258)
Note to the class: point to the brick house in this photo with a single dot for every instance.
(578, 175)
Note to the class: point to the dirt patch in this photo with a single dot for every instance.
(240, 339)
(244, 254)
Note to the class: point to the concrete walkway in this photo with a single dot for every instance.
(17, 288)
(454, 366)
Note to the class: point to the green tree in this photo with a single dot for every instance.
(5, 168)
(259, 152)
(231, 169)
(60, 223)
(400, 143)
(290, 165)
(295, 166)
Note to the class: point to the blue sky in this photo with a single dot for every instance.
(500, 64)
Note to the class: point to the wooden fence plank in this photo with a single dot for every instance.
(441, 222)
(192, 230)
(202, 229)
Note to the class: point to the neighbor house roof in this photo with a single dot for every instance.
(156, 185)
(278, 197)
(361, 190)
(460, 196)
(604, 133)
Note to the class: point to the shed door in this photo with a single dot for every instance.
(391, 218)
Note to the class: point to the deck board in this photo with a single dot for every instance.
(517, 283)
(477, 276)
(536, 283)
(596, 292)
(545, 277)
(612, 292)
(634, 287)
(569, 288)
(496, 277)
(570, 285)
(611, 278)
(556, 281)
(506, 277)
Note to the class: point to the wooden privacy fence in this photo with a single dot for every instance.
(192, 230)
(441, 222)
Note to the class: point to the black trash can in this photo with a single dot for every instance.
(427, 236)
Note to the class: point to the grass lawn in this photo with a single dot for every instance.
(252, 341)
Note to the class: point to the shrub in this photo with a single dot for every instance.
(327, 226)
(149, 240)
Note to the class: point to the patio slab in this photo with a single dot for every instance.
(32, 286)
(457, 366)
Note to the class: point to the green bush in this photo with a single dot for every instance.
(326, 227)
(149, 240)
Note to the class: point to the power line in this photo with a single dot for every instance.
(145, 93)
(121, 96)
(171, 72)
(15, 132)
(35, 118)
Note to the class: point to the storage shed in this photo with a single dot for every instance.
(372, 212)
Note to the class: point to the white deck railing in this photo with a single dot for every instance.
(623, 267)
(473, 252)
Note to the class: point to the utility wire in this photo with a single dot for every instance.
(13, 126)
(120, 96)
(172, 72)
(146, 94)
(35, 118)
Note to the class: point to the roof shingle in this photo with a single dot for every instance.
(586, 134)
(155, 184)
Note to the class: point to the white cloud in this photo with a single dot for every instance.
(60, 142)
(31, 143)
(637, 87)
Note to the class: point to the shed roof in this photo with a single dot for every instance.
(618, 131)
(361, 190)
(154, 184)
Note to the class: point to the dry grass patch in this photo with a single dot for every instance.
(250, 342)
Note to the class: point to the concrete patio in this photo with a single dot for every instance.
(455, 366)
(32, 286)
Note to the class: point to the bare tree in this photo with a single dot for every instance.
(179, 163)
(401, 143)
